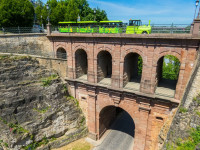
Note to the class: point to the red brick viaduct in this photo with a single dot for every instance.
(102, 75)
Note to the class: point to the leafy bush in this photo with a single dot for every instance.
(196, 99)
(188, 144)
(47, 81)
(183, 110)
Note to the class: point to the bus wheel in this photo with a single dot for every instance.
(144, 32)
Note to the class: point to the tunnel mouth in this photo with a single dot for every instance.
(81, 63)
(132, 71)
(116, 118)
(104, 68)
(167, 74)
(61, 53)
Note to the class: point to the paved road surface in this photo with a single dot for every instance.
(121, 135)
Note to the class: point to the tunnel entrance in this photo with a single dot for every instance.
(121, 128)
(132, 71)
(61, 53)
(110, 118)
(81, 64)
(167, 74)
(104, 68)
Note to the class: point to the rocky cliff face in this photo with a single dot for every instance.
(35, 110)
(184, 133)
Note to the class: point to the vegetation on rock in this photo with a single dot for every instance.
(185, 130)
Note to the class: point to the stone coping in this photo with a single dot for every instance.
(140, 36)
(23, 34)
(35, 56)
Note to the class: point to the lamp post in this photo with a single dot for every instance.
(94, 14)
(48, 13)
(197, 3)
(42, 23)
(48, 19)
(79, 18)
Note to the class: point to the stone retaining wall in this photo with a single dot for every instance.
(26, 42)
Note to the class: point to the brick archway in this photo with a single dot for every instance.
(132, 50)
(132, 70)
(138, 112)
(61, 53)
(81, 63)
(111, 114)
(157, 67)
(78, 47)
(104, 65)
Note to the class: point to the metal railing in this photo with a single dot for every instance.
(171, 28)
(20, 30)
(38, 53)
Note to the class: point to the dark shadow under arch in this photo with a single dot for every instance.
(104, 65)
(132, 68)
(61, 53)
(81, 63)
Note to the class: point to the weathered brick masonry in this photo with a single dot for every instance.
(148, 110)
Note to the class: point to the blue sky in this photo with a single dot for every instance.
(158, 11)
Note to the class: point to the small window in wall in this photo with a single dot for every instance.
(61, 53)
(83, 98)
(159, 118)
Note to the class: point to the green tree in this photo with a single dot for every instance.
(68, 10)
(15, 13)
(140, 63)
(72, 11)
(171, 67)
(38, 12)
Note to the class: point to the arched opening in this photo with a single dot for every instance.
(132, 71)
(167, 73)
(81, 63)
(121, 127)
(61, 53)
(104, 68)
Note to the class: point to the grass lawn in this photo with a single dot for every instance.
(77, 145)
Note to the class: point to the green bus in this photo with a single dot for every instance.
(136, 27)
(67, 27)
(113, 27)
(80, 26)
(87, 27)
(110, 26)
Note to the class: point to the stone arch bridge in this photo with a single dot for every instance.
(103, 73)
